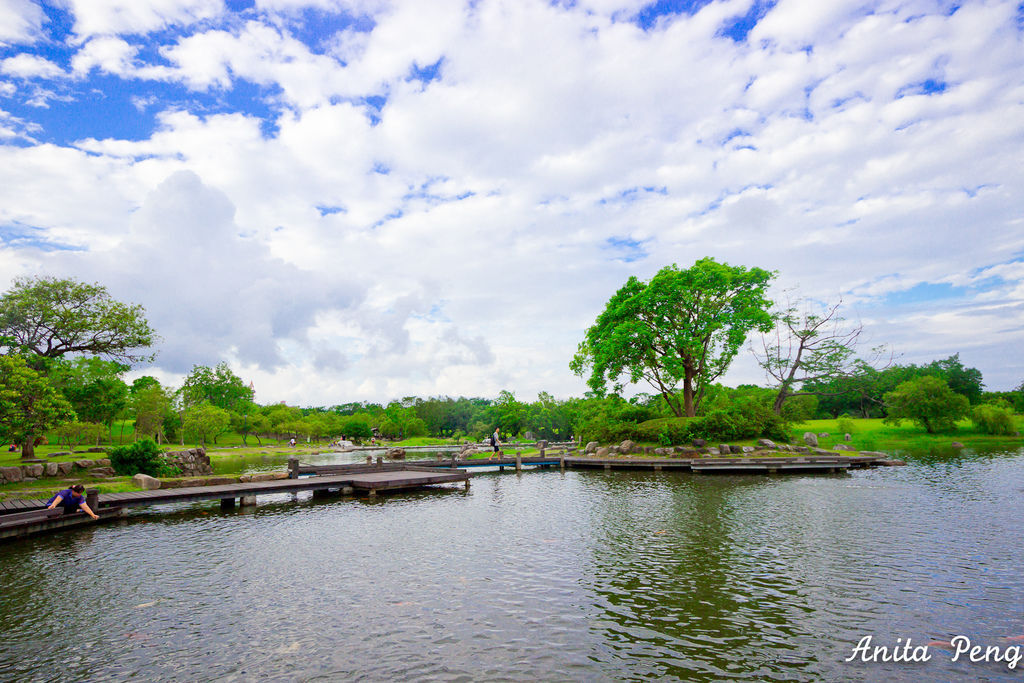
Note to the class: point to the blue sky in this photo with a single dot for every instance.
(366, 199)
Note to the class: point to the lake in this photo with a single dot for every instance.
(545, 575)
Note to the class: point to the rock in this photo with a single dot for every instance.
(11, 474)
(396, 453)
(810, 439)
(268, 476)
(801, 449)
(957, 444)
(749, 449)
(661, 451)
(847, 437)
(842, 447)
(102, 472)
(543, 443)
(85, 464)
(724, 449)
(699, 443)
(146, 482)
(103, 462)
(876, 454)
(591, 447)
(713, 451)
(64, 468)
(766, 443)
(602, 452)
(51, 469)
(34, 471)
(96, 449)
(626, 447)
(57, 454)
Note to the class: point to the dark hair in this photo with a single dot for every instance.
(77, 488)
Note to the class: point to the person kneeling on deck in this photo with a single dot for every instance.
(71, 500)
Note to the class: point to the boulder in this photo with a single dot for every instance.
(96, 449)
(396, 453)
(842, 447)
(810, 439)
(102, 472)
(64, 468)
(34, 471)
(103, 462)
(146, 482)
(956, 444)
(602, 452)
(724, 449)
(713, 451)
(85, 464)
(626, 447)
(11, 474)
(662, 451)
(801, 449)
(51, 469)
(749, 449)
(591, 447)
(765, 443)
(543, 443)
(699, 443)
(823, 435)
(57, 454)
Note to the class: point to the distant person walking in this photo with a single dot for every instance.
(292, 442)
(496, 440)
(71, 500)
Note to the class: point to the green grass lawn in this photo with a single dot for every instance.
(873, 434)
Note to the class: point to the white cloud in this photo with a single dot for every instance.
(30, 66)
(21, 21)
(460, 239)
(109, 17)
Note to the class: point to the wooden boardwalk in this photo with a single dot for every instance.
(22, 517)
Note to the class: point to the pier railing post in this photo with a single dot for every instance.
(519, 462)
(92, 499)
(293, 468)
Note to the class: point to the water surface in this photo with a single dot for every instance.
(545, 575)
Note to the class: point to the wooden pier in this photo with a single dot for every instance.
(24, 517)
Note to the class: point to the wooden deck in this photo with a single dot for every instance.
(21, 517)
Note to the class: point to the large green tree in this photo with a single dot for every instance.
(94, 387)
(218, 386)
(45, 318)
(29, 404)
(684, 326)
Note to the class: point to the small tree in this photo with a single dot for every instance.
(929, 402)
(205, 421)
(993, 418)
(76, 433)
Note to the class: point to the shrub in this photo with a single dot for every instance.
(742, 418)
(993, 418)
(846, 425)
(142, 456)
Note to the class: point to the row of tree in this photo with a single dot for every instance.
(66, 346)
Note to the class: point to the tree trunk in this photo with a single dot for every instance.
(28, 448)
(688, 404)
(780, 398)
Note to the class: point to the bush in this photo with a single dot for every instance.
(993, 418)
(142, 456)
(929, 402)
(846, 425)
(742, 418)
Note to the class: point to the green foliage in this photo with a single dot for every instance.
(743, 417)
(356, 427)
(846, 425)
(29, 404)
(205, 421)
(141, 456)
(684, 326)
(93, 386)
(150, 404)
(49, 317)
(218, 386)
(929, 402)
(75, 433)
(993, 418)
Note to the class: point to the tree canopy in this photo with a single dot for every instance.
(683, 326)
(49, 317)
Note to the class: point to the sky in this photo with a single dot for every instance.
(362, 200)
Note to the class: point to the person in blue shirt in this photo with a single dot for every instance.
(71, 500)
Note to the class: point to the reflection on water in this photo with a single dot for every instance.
(540, 576)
